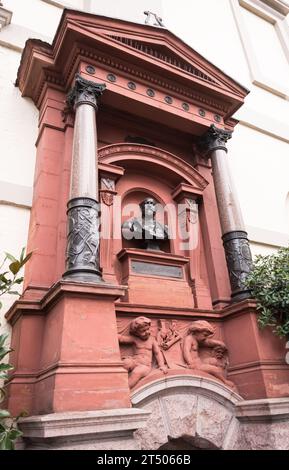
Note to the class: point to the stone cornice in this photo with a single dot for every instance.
(61, 289)
(273, 409)
(101, 423)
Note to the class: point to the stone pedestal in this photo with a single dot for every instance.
(155, 278)
(72, 358)
(257, 357)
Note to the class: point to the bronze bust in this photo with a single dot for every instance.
(146, 229)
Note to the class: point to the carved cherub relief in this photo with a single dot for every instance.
(174, 347)
(199, 336)
(139, 365)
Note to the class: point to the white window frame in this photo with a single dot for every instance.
(275, 12)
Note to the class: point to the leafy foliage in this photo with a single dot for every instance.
(269, 284)
(8, 280)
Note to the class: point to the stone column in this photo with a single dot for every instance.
(234, 235)
(82, 255)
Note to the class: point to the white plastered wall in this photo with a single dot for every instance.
(259, 149)
(18, 130)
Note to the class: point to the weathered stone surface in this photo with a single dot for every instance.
(233, 437)
(257, 436)
(213, 421)
(155, 433)
(264, 424)
(239, 442)
(199, 410)
(181, 414)
(280, 434)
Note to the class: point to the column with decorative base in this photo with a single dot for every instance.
(67, 355)
(82, 261)
(234, 235)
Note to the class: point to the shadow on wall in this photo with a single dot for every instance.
(188, 443)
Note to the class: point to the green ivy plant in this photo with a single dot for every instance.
(8, 280)
(269, 284)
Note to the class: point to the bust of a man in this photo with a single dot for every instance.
(146, 228)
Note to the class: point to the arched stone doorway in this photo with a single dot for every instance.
(187, 413)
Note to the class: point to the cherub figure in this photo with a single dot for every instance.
(219, 359)
(199, 335)
(145, 348)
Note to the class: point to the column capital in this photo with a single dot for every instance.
(213, 139)
(85, 92)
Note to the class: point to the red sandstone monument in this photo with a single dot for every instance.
(131, 117)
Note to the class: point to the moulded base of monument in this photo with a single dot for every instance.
(175, 413)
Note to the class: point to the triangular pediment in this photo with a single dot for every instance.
(162, 46)
(164, 54)
(154, 54)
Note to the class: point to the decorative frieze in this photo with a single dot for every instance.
(174, 349)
